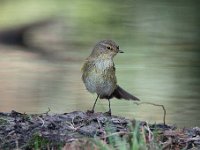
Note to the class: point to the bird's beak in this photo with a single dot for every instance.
(120, 51)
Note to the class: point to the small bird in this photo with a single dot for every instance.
(99, 73)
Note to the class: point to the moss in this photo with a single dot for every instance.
(3, 121)
(39, 142)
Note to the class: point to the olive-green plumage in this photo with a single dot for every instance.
(99, 73)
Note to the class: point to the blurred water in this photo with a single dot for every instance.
(160, 63)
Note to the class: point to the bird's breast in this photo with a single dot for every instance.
(103, 64)
(101, 78)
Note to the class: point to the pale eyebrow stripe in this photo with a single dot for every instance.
(105, 44)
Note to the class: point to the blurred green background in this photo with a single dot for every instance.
(161, 63)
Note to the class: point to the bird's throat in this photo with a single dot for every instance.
(103, 64)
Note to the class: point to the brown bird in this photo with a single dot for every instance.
(99, 73)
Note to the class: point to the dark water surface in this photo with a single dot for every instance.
(161, 63)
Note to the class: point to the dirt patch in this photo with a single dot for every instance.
(27, 131)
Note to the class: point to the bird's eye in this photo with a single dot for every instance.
(108, 47)
(117, 47)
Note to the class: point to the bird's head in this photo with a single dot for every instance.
(106, 48)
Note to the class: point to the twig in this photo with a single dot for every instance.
(72, 127)
(47, 111)
(164, 110)
(167, 144)
(150, 134)
(41, 121)
(193, 139)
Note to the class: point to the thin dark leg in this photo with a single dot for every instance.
(109, 111)
(94, 104)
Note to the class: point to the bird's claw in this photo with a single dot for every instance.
(90, 111)
(108, 113)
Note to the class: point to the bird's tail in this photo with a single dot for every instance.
(121, 93)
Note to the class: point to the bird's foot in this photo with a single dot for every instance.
(90, 111)
(108, 113)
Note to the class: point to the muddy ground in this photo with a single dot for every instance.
(46, 131)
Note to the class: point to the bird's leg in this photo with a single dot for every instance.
(95, 103)
(109, 107)
(92, 111)
(109, 111)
